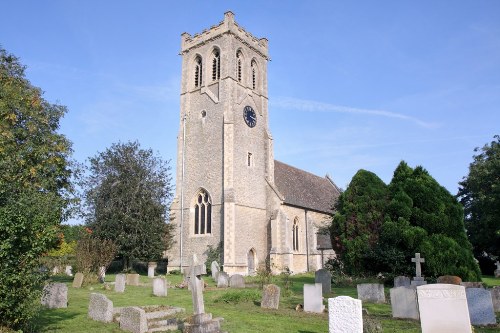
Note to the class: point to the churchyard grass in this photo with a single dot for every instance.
(239, 307)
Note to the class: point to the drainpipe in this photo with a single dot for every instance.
(307, 239)
(182, 186)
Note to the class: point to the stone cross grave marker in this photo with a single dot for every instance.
(417, 260)
(195, 271)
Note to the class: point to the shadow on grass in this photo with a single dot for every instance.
(52, 317)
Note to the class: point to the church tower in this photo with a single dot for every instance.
(225, 157)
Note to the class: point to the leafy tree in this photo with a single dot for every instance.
(34, 190)
(479, 192)
(127, 191)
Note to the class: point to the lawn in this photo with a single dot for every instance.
(239, 308)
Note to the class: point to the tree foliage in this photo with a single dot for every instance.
(127, 192)
(34, 190)
(479, 192)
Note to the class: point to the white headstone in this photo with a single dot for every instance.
(151, 269)
(344, 315)
(443, 308)
(404, 303)
(159, 287)
(371, 292)
(480, 306)
(313, 298)
(120, 283)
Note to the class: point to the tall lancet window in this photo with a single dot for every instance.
(295, 234)
(198, 72)
(202, 214)
(239, 64)
(254, 74)
(216, 65)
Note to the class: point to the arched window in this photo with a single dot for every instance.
(216, 65)
(295, 234)
(202, 214)
(198, 72)
(239, 60)
(254, 74)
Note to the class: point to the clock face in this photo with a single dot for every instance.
(249, 116)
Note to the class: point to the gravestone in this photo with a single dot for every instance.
(495, 298)
(313, 298)
(100, 308)
(324, 277)
(215, 268)
(480, 306)
(132, 279)
(68, 270)
(151, 269)
(401, 281)
(236, 281)
(159, 287)
(101, 274)
(120, 283)
(133, 319)
(443, 308)
(472, 284)
(449, 279)
(78, 280)
(270, 297)
(497, 271)
(55, 296)
(418, 280)
(344, 315)
(371, 292)
(222, 280)
(404, 303)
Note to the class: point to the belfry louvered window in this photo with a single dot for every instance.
(254, 74)
(216, 65)
(202, 214)
(198, 72)
(239, 61)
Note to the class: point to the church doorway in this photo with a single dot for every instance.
(251, 262)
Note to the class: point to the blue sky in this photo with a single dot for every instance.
(352, 84)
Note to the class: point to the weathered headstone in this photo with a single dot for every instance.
(270, 297)
(68, 270)
(159, 287)
(101, 275)
(480, 306)
(133, 319)
(497, 271)
(236, 281)
(324, 277)
(100, 308)
(401, 281)
(344, 315)
(371, 292)
(443, 308)
(222, 280)
(449, 279)
(132, 279)
(404, 303)
(120, 283)
(418, 280)
(313, 298)
(472, 285)
(55, 296)
(78, 280)
(495, 297)
(215, 268)
(151, 269)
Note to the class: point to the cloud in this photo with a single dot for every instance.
(290, 103)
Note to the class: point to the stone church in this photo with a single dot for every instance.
(229, 187)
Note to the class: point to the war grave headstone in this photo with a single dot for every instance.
(344, 315)
(418, 279)
(443, 308)
(132, 279)
(55, 296)
(120, 283)
(401, 281)
(236, 281)
(480, 306)
(449, 279)
(270, 297)
(133, 319)
(371, 292)
(495, 297)
(100, 308)
(404, 303)
(78, 280)
(159, 287)
(324, 277)
(222, 280)
(151, 269)
(214, 268)
(68, 270)
(313, 298)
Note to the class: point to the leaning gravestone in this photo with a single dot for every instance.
(449, 279)
(313, 298)
(495, 297)
(222, 280)
(480, 306)
(371, 292)
(236, 281)
(120, 283)
(401, 281)
(78, 280)
(344, 315)
(404, 303)
(100, 308)
(132, 279)
(324, 277)
(443, 308)
(270, 297)
(133, 319)
(55, 296)
(159, 287)
(215, 268)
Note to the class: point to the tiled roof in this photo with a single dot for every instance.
(303, 189)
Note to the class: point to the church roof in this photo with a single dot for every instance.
(303, 189)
